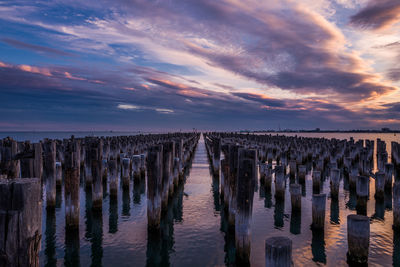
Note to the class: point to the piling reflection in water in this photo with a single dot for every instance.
(335, 218)
(50, 234)
(126, 203)
(318, 246)
(72, 246)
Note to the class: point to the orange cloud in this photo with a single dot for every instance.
(192, 93)
(32, 69)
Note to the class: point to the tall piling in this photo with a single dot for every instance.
(20, 222)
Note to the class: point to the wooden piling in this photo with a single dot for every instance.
(71, 184)
(126, 163)
(154, 180)
(113, 177)
(316, 177)
(379, 185)
(244, 204)
(318, 211)
(279, 183)
(20, 222)
(358, 232)
(396, 205)
(49, 166)
(58, 174)
(362, 194)
(335, 181)
(295, 192)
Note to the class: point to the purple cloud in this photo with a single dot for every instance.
(377, 15)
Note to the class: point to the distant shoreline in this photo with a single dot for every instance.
(326, 131)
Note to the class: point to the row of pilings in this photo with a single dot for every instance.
(241, 160)
(93, 161)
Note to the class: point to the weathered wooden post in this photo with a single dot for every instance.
(396, 206)
(233, 162)
(113, 177)
(71, 183)
(295, 192)
(26, 159)
(244, 203)
(268, 178)
(358, 231)
(316, 178)
(38, 161)
(88, 162)
(353, 178)
(389, 168)
(292, 168)
(9, 166)
(379, 185)
(167, 184)
(302, 174)
(126, 163)
(335, 181)
(142, 166)
(279, 183)
(136, 167)
(58, 174)
(362, 194)
(96, 155)
(318, 211)
(176, 172)
(263, 169)
(20, 222)
(278, 252)
(154, 180)
(49, 167)
(216, 156)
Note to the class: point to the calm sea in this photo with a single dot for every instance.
(194, 226)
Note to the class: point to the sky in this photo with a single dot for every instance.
(162, 65)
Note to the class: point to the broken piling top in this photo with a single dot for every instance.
(21, 219)
(358, 233)
(278, 252)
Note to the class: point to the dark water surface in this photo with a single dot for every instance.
(193, 229)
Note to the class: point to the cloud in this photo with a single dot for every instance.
(35, 48)
(209, 63)
(128, 107)
(377, 15)
(164, 110)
